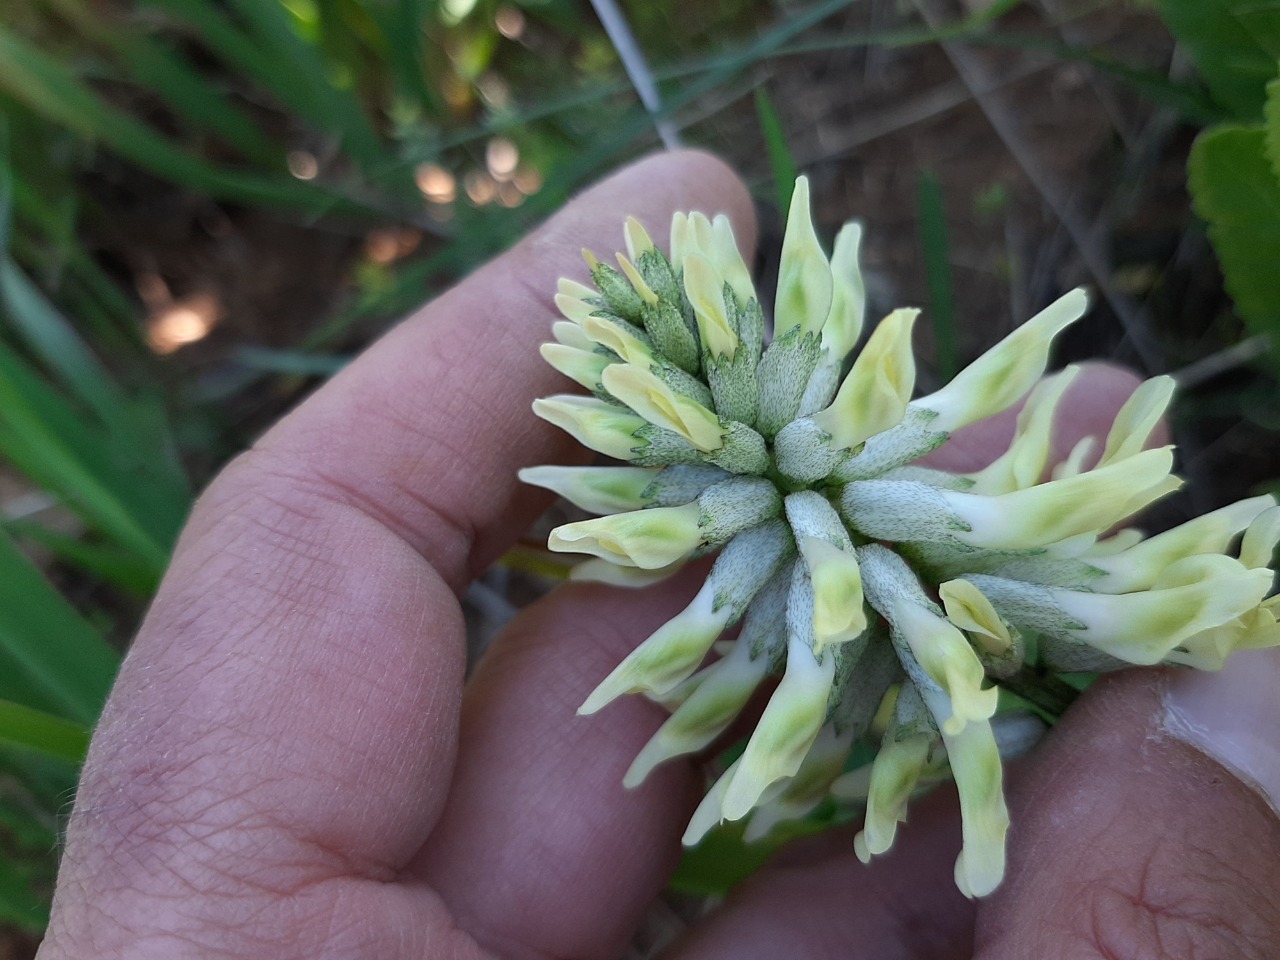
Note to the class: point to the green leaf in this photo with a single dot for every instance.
(105, 561)
(724, 859)
(775, 141)
(171, 78)
(937, 265)
(1235, 189)
(51, 658)
(22, 726)
(1235, 44)
(1271, 116)
(113, 490)
(48, 88)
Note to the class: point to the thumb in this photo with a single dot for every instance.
(1146, 824)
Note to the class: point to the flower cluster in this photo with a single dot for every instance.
(894, 600)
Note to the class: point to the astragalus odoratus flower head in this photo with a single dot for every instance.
(892, 601)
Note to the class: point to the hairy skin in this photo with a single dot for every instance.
(289, 766)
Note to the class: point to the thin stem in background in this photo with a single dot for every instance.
(637, 67)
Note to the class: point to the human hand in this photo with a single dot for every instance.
(289, 767)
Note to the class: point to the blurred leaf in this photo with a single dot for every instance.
(1235, 189)
(1271, 118)
(781, 162)
(170, 78)
(937, 264)
(291, 362)
(1235, 44)
(115, 490)
(52, 658)
(723, 859)
(21, 904)
(107, 562)
(50, 89)
(22, 726)
(269, 51)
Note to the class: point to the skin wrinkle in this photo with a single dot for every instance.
(1133, 844)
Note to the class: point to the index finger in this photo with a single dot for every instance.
(426, 429)
(289, 709)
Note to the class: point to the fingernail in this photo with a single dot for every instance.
(1233, 716)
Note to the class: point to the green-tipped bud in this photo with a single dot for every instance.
(581, 366)
(648, 396)
(648, 539)
(875, 394)
(848, 296)
(705, 289)
(1002, 375)
(602, 426)
(786, 730)
(804, 275)
(596, 489)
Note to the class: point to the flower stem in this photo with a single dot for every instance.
(1045, 692)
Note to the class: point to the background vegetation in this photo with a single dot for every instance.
(207, 205)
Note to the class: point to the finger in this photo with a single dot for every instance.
(816, 900)
(289, 709)
(1146, 824)
(1087, 409)
(541, 851)
(426, 430)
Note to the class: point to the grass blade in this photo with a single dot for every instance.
(24, 727)
(775, 141)
(54, 659)
(937, 264)
(49, 89)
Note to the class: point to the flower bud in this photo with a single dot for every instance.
(648, 396)
(596, 489)
(786, 730)
(804, 274)
(875, 394)
(602, 426)
(1024, 463)
(705, 290)
(998, 378)
(584, 367)
(642, 538)
(1137, 419)
(715, 703)
(848, 296)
